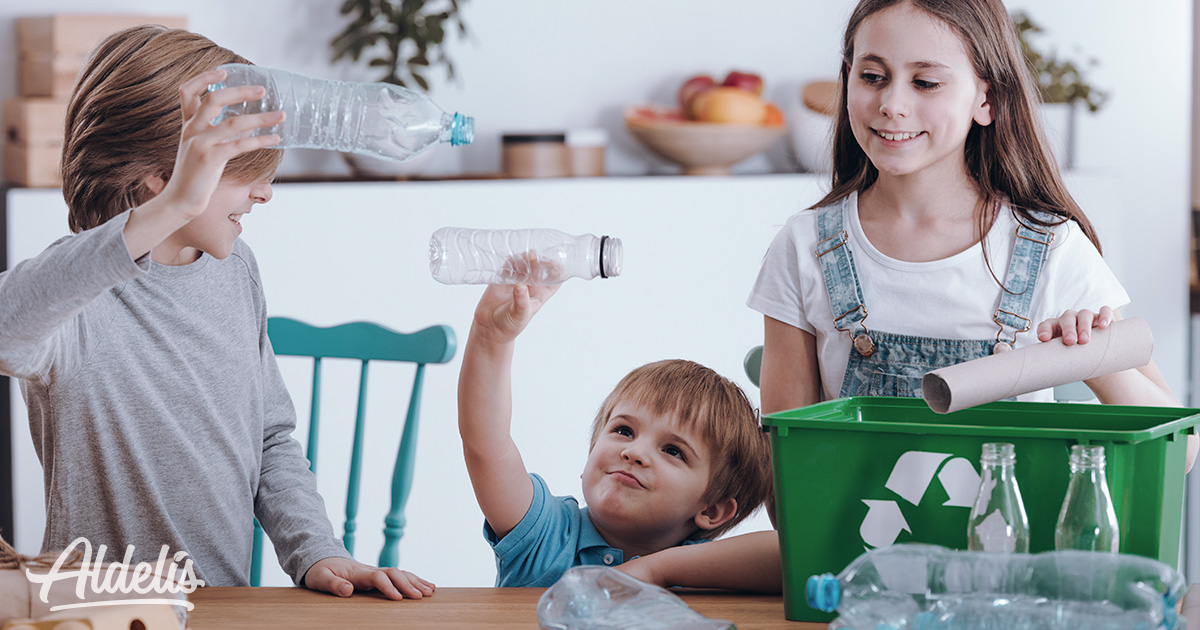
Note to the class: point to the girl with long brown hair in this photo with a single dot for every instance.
(947, 233)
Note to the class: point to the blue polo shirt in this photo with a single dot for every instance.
(555, 535)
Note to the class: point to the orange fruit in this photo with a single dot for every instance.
(729, 105)
(774, 115)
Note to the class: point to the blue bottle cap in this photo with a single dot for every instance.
(462, 130)
(823, 592)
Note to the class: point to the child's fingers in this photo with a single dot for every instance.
(212, 104)
(237, 127)
(408, 584)
(330, 582)
(191, 90)
(224, 151)
(382, 582)
(1105, 318)
(520, 300)
(1083, 323)
(1047, 330)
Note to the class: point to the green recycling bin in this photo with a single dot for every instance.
(854, 474)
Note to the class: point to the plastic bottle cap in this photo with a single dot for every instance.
(823, 592)
(462, 130)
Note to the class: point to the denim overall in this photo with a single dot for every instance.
(887, 364)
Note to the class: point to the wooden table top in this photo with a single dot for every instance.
(515, 608)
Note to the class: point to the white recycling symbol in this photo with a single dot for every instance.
(910, 478)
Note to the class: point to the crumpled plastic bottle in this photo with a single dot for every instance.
(603, 598)
(926, 587)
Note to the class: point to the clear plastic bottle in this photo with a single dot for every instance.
(533, 256)
(376, 119)
(998, 521)
(603, 598)
(926, 587)
(1087, 520)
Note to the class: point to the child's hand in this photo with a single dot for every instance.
(204, 149)
(343, 576)
(504, 311)
(1075, 326)
(642, 568)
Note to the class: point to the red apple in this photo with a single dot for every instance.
(744, 80)
(692, 87)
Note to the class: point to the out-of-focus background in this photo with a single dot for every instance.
(334, 248)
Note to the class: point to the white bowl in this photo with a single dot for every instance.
(811, 136)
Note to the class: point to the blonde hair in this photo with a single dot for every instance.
(1009, 160)
(124, 122)
(718, 410)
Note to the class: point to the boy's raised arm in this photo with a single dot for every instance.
(502, 485)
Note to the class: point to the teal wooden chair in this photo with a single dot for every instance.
(753, 364)
(366, 342)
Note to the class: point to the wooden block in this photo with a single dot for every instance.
(77, 33)
(35, 167)
(51, 50)
(49, 77)
(34, 122)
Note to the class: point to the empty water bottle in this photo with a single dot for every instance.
(536, 256)
(926, 587)
(603, 598)
(998, 521)
(376, 119)
(1087, 520)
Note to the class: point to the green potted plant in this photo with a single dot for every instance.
(1062, 86)
(404, 39)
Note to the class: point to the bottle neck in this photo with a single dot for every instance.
(457, 129)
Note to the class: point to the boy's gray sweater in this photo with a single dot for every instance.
(156, 407)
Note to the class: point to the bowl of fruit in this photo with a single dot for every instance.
(715, 125)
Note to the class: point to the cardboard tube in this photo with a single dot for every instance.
(1123, 345)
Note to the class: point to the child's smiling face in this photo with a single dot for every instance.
(646, 475)
(912, 93)
(215, 230)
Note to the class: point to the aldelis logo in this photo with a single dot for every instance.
(119, 577)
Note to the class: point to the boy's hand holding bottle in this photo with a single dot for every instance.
(204, 148)
(505, 310)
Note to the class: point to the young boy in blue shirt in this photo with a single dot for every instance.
(676, 457)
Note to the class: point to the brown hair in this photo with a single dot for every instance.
(718, 410)
(1009, 160)
(124, 122)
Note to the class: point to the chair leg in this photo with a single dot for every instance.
(256, 556)
(402, 477)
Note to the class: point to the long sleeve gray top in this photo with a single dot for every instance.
(156, 406)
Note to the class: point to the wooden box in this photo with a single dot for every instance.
(33, 138)
(52, 49)
(33, 121)
(36, 167)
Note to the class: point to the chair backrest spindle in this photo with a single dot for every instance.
(366, 342)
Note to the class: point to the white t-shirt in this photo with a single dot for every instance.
(952, 298)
